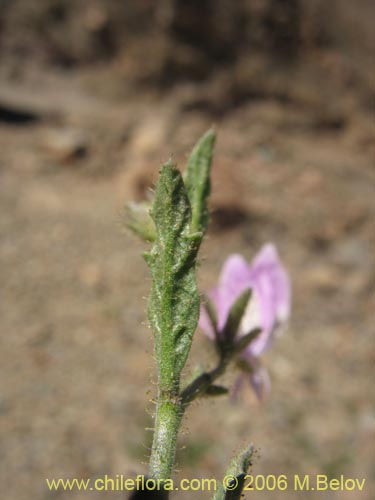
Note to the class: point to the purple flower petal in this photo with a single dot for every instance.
(234, 279)
(271, 298)
(267, 263)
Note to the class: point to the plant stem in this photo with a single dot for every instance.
(170, 409)
(168, 418)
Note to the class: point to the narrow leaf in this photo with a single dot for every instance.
(216, 390)
(197, 180)
(245, 340)
(235, 316)
(173, 308)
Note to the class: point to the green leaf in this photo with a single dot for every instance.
(197, 180)
(137, 218)
(173, 307)
(238, 468)
(235, 316)
(245, 340)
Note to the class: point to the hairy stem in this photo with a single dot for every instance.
(168, 418)
(170, 409)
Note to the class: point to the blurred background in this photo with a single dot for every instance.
(94, 96)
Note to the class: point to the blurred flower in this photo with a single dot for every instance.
(267, 309)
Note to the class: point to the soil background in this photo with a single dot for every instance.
(94, 96)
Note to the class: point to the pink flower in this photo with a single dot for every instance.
(268, 307)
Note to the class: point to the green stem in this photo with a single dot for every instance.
(168, 418)
(170, 409)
